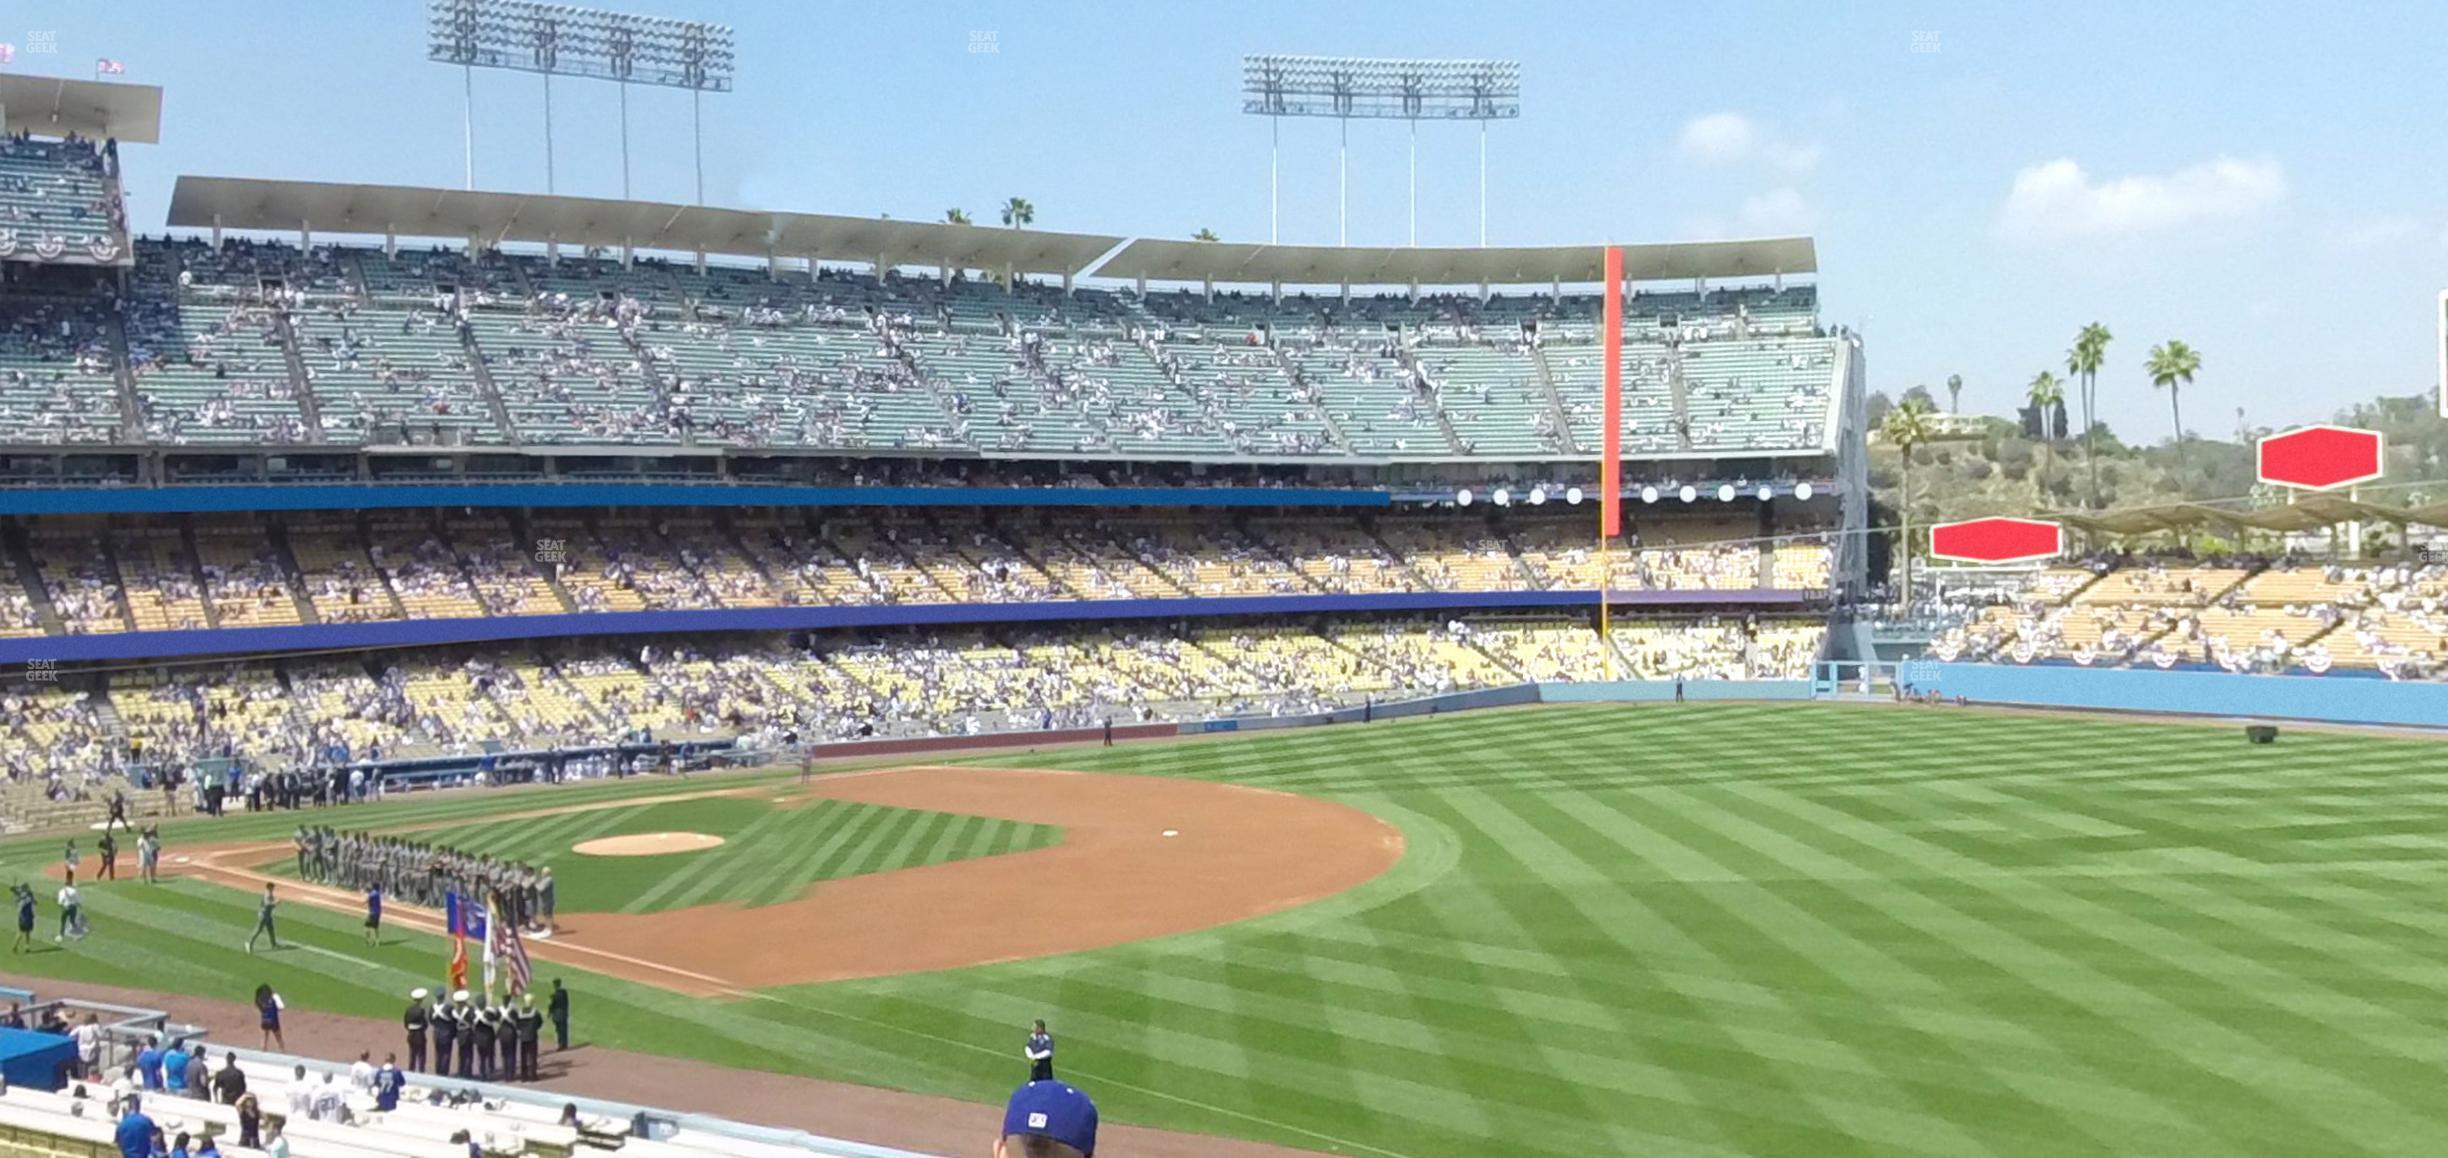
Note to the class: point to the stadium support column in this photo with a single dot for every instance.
(697, 134)
(1610, 442)
(1343, 185)
(468, 120)
(624, 103)
(1483, 184)
(1414, 184)
(1274, 178)
(548, 157)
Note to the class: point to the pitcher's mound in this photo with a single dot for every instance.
(648, 844)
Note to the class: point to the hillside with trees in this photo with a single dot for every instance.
(1970, 466)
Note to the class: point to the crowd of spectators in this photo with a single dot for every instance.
(61, 191)
(772, 692)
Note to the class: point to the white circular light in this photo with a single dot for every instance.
(1802, 491)
(1538, 496)
(1503, 497)
(1572, 495)
(1648, 494)
(1766, 492)
(1725, 492)
(1688, 493)
(1462, 498)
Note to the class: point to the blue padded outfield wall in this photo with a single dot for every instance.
(432, 632)
(2332, 698)
(1654, 691)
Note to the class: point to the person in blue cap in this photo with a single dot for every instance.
(1048, 1120)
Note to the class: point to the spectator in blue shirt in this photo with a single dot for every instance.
(388, 1082)
(149, 1064)
(1048, 1120)
(135, 1132)
(173, 1064)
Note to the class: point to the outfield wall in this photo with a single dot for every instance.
(1655, 691)
(2194, 693)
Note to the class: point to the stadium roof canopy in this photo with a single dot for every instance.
(1223, 261)
(414, 211)
(2307, 513)
(54, 106)
(245, 203)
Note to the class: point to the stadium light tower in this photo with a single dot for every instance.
(559, 40)
(1378, 88)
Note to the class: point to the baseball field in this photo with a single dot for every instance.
(1657, 930)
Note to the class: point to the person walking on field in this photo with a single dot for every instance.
(25, 918)
(1040, 1053)
(263, 920)
(110, 858)
(148, 855)
(72, 912)
(374, 903)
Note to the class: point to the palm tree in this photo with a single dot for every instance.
(1205, 235)
(956, 217)
(2046, 394)
(1018, 213)
(2084, 361)
(2172, 365)
(1954, 393)
(1907, 426)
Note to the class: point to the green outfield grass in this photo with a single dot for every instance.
(770, 854)
(1662, 930)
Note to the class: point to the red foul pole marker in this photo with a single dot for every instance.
(1996, 540)
(2320, 458)
(1610, 464)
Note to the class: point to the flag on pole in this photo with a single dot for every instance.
(8, 52)
(105, 66)
(504, 943)
(466, 919)
(1610, 441)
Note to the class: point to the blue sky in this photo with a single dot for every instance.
(1982, 179)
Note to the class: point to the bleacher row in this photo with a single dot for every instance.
(2241, 616)
(60, 741)
(89, 575)
(58, 193)
(432, 1120)
(338, 346)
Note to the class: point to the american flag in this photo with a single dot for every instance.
(108, 67)
(502, 944)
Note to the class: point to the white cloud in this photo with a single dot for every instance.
(1776, 213)
(1730, 138)
(2384, 232)
(2059, 201)
(1780, 211)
